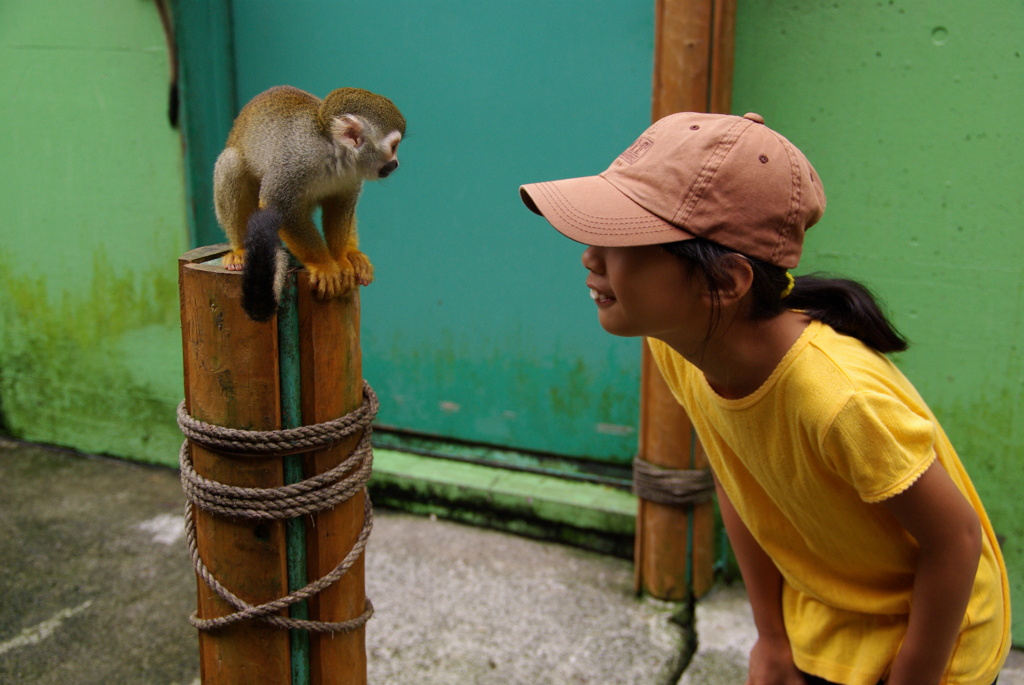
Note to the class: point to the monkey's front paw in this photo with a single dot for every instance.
(357, 267)
(327, 283)
(234, 260)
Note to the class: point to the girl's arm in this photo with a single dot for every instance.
(948, 533)
(771, 660)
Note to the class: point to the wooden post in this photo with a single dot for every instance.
(332, 386)
(674, 553)
(232, 379)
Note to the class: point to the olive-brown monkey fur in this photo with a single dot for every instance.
(287, 152)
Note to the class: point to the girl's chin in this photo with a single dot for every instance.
(615, 327)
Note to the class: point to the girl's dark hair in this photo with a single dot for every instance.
(845, 305)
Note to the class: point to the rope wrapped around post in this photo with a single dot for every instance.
(317, 493)
(677, 487)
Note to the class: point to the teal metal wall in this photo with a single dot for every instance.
(479, 327)
(909, 110)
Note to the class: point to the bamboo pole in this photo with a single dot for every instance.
(674, 548)
(234, 373)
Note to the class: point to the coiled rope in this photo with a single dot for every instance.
(679, 487)
(318, 493)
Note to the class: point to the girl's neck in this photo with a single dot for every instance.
(741, 357)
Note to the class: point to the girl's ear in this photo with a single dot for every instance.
(737, 278)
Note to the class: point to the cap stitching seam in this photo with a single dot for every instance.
(568, 210)
(794, 199)
(593, 224)
(696, 191)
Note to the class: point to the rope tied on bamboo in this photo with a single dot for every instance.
(318, 493)
(678, 487)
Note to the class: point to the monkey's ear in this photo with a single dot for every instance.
(347, 129)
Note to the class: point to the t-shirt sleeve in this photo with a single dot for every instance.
(879, 445)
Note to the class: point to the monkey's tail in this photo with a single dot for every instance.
(264, 271)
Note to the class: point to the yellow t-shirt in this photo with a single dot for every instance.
(805, 460)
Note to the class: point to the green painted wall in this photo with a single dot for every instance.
(91, 222)
(909, 111)
(479, 326)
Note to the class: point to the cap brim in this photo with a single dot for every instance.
(592, 211)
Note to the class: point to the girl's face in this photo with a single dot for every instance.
(645, 291)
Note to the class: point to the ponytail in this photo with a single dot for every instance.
(849, 307)
(845, 305)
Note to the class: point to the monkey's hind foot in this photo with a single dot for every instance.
(327, 283)
(356, 268)
(234, 260)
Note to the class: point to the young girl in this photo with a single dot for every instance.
(865, 550)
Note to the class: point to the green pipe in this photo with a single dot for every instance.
(291, 417)
(691, 510)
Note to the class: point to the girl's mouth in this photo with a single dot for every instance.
(600, 297)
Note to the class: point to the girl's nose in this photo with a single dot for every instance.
(592, 259)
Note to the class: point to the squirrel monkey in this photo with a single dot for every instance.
(287, 152)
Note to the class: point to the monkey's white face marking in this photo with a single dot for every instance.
(389, 147)
(390, 143)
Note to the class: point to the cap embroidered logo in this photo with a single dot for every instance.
(636, 150)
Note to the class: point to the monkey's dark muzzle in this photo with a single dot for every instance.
(386, 170)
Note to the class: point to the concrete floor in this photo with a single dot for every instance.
(97, 587)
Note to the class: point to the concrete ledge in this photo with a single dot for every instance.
(589, 515)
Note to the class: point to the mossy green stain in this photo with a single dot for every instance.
(97, 368)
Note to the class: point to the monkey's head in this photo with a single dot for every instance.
(368, 152)
(369, 126)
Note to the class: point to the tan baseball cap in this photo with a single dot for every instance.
(729, 179)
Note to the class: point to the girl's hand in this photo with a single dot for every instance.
(771, 663)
